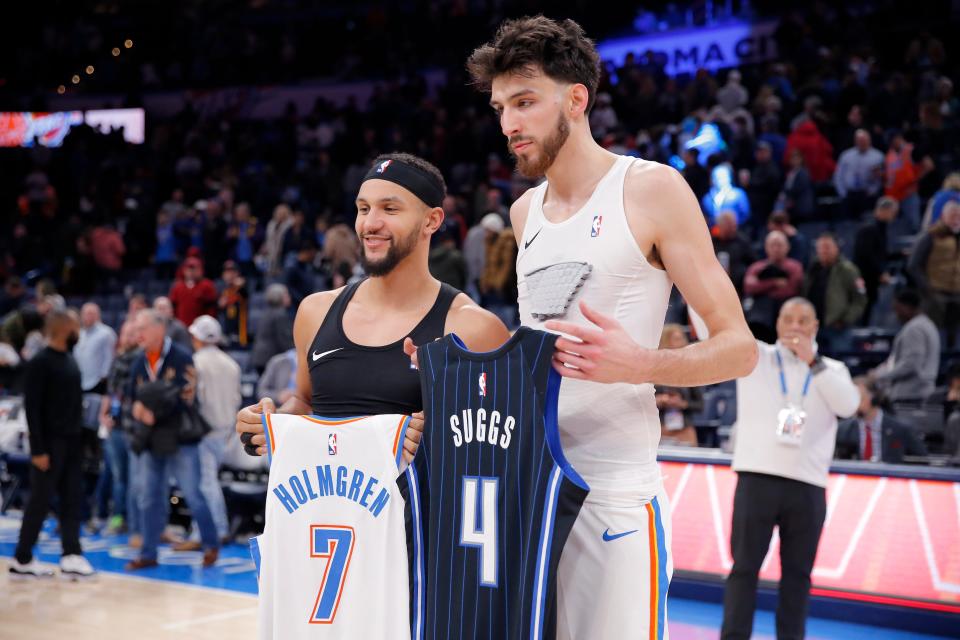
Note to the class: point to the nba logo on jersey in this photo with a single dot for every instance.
(383, 166)
(483, 384)
(595, 227)
(332, 444)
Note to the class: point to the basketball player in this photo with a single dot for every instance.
(601, 242)
(349, 341)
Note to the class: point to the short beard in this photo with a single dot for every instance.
(550, 149)
(395, 254)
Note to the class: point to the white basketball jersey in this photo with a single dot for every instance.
(609, 432)
(332, 560)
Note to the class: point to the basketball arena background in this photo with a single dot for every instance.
(134, 124)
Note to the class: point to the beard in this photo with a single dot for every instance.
(536, 166)
(397, 251)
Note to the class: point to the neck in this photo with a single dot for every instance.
(580, 164)
(871, 413)
(407, 285)
(58, 344)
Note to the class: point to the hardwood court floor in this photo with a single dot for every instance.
(116, 607)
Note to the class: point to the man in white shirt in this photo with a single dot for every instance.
(218, 394)
(785, 435)
(94, 350)
(858, 178)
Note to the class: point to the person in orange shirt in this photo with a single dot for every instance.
(902, 178)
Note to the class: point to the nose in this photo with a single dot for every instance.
(371, 222)
(509, 123)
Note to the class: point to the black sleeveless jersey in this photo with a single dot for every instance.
(492, 496)
(348, 379)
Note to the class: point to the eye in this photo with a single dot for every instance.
(524, 103)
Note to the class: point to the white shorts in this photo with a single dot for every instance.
(615, 570)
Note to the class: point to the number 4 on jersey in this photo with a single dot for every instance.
(335, 544)
(484, 537)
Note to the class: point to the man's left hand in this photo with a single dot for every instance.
(604, 353)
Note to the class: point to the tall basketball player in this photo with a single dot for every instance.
(349, 341)
(602, 241)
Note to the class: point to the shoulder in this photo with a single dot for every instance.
(645, 177)
(311, 313)
(519, 210)
(834, 365)
(662, 193)
(479, 329)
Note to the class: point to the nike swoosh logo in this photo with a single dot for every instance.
(317, 356)
(526, 245)
(608, 537)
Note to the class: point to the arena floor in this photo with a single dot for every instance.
(179, 599)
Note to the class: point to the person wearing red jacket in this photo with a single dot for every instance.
(192, 294)
(816, 150)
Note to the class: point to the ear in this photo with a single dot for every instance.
(578, 98)
(435, 218)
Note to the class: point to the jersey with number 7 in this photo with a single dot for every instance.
(332, 560)
(492, 495)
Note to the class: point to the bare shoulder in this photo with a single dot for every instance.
(479, 329)
(652, 183)
(518, 212)
(311, 312)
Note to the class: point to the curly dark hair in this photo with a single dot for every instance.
(526, 45)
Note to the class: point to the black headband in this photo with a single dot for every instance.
(414, 179)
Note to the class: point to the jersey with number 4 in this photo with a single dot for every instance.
(492, 495)
(332, 560)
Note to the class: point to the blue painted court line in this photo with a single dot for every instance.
(695, 620)
(234, 570)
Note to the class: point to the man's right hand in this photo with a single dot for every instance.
(250, 426)
(41, 462)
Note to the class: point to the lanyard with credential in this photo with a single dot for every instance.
(783, 382)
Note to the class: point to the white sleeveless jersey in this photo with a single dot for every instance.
(332, 560)
(610, 432)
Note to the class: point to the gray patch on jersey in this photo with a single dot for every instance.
(553, 287)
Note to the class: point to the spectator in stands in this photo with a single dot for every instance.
(107, 248)
(165, 258)
(163, 388)
(341, 251)
(475, 250)
(13, 295)
(274, 333)
(137, 302)
(271, 251)
(296, 233)
(697, 177)
(951, 413)
(902, 179)
(233, 303)
(875, 435)
(279, 381)
(53, 405)
(218, 394)
(732, 96)
(214, 236)
(859, 175)
(769, 283)
(94, 352)
(498, 284)
(115, 410)
(176, 330)
(193, 294)
(784, 441)
(302, 277)
(910, 373)
(446, 262)
(836, 290)
(724, 195)
(950, 191)
(870, 250)
(816, 151)
(243, 234)
(677, 405)
(799, 243)
(797, 197)
(765, 184)
(33, 323)
(935, 268)
(732, 247)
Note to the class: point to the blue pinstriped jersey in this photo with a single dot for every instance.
(491, 494)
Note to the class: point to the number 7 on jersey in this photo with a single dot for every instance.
(484, 537)
(335, 544)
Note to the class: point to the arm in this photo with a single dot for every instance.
(518, 214)
(839, 176)
(666, 222)
(479, 329)
(832, 381)
(754, 286)
(858, 296)
(33, 403)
